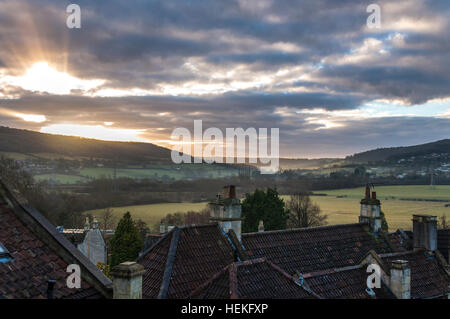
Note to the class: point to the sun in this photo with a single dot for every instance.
(41, 77)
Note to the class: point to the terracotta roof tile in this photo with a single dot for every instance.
(313, 249)
(444, 243)
(428, 277)
(33, 263)
(252, 279)
(184, 259)
(344, 283)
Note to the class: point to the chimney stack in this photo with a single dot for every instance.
(400, 280)
(370, 211)
(227, 211)
(425, 232)
(127, 280)
(162, 228)
(261, 226)
(87, 225)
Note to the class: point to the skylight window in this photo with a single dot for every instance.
(5, 256)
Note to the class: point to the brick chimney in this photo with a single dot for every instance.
(425, 232)
(227, 211)
(400, 280)
(127, 280)
(370, 211)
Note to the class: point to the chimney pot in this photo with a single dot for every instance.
(50, 288)
(229, 191)
(400, 280)
(127, 280)
(261, 226)
(367, 192)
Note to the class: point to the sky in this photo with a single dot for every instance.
(137, 70)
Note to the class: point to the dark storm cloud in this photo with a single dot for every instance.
(305, 51)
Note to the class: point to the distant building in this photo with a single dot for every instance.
(89, 240)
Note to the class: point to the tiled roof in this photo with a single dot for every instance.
(401, 240)
(150, 240)
(312, 249)
(252, 279)
(184, 259)
(40, 254)
(444, 243)
(428, 277)
(344, 283)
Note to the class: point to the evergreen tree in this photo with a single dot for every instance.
(265, 206)
(126, 242)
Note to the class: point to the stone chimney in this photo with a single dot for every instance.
(127, 280)
(95, 223)
(227, 211)
(425, 232)
(162, 228)
(370, 211)
(87, 225)
(261, 226)
(400, 280)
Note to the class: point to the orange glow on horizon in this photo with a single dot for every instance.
(96, 132)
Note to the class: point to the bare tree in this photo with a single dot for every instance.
(443, 223)
(304, 213)
(107, 219)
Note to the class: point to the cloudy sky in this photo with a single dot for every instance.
(136, 70)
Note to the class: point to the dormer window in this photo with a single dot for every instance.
(5, 256)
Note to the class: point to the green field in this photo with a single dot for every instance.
(61, 178)
(157, 172)
(414, 192)
(153, 213)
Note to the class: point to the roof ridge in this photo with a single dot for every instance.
(197, 226)
(304, 229)
(210, 280)
(409, 252)
(169, 264)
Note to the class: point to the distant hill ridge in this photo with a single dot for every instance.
(395, 153)
(30, 142)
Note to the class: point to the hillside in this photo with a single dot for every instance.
(396, 153)
(30, 142)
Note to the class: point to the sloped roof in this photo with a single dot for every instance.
(312, 249)
(40, 253)
(428, 277)
(150, 240)
(344, 283)
(444, 242)
(401, 240)
(184, 259)
(252, 279)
